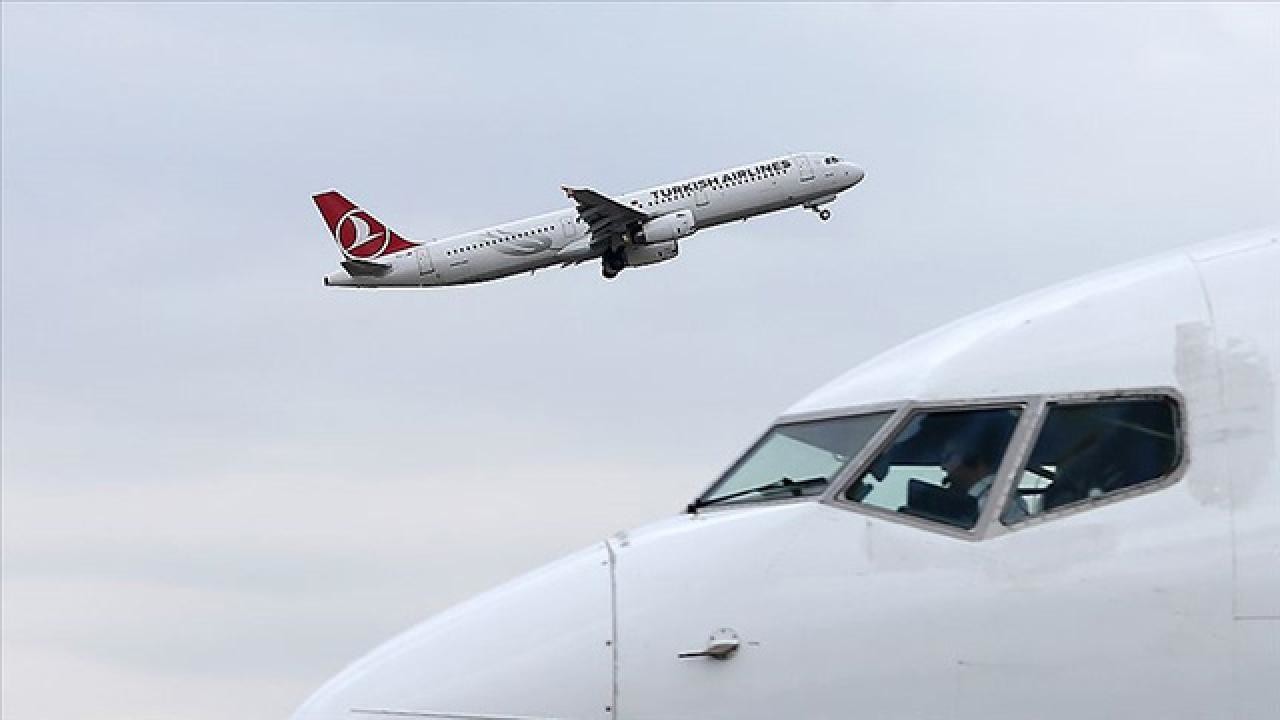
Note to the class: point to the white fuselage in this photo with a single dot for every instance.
(1162, 602)
(562, 238)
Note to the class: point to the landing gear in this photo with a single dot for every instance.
(611, 263)
(824, 214)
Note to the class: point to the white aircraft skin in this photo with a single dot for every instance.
(1157, 603)
(638, 228)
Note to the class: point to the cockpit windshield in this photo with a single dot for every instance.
(940, 466)
(795, 459)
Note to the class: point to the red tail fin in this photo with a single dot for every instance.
(360, 236)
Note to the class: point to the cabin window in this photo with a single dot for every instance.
(795, 459)
(1090, 451)
(940, 466)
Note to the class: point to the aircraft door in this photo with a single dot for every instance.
(568, 225)
(806, 168)
(425, 266)
(1241, 448)
(701, 196)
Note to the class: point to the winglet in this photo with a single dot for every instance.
(360, 236)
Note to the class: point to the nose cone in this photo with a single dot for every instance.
(539, 647)
(853, 173)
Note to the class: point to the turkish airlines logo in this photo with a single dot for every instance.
(360, 236)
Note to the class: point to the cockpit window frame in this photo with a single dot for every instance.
(1029, 407)
(1180, 419)
(894, 410)
(1033, 410)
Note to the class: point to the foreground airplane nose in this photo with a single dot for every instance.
(540, 646)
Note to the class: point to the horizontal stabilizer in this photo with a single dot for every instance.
(363, 268)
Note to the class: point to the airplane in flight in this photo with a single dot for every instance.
(631, 230)
(1064, 507)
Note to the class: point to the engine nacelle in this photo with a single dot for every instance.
(637, 255)
(667, 228)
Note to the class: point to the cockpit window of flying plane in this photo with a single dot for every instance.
(794, 459)
(940, 466)
(1091, 450)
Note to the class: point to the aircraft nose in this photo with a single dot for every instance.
(540, 646)
(854, 173)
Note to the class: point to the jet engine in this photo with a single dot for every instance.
(637, 255)
(667, 228)
(653, 242)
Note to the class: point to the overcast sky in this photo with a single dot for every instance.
(223, 481)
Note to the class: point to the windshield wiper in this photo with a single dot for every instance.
(796, 487)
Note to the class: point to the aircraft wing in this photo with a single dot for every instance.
(607, 218)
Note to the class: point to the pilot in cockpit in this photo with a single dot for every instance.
(971, 464)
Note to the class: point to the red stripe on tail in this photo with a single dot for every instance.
(360, 235)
